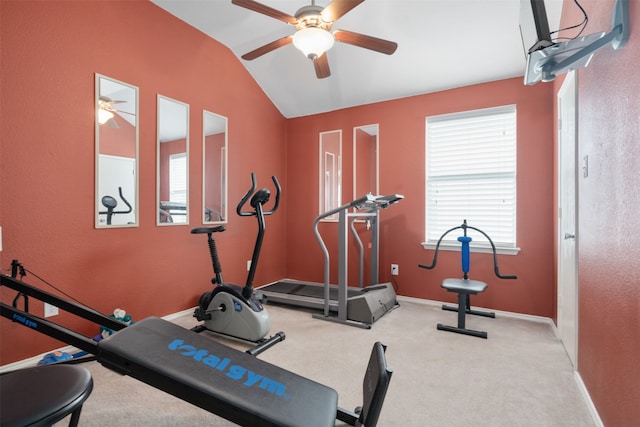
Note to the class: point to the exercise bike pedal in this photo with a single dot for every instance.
(201, 315)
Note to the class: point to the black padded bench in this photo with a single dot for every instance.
(217, 378)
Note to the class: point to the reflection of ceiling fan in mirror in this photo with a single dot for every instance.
(313, 34)
(106, 111)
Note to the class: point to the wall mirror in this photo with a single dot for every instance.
(116, 153)
(172, 162)
(330, 172)
(214, 167)
(365, 160)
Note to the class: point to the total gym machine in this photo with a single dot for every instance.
(234, 310)
(232, 384)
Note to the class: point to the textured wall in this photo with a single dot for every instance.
(608, 241)
(50, 54)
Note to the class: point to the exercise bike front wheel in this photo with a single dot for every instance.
(205, 300)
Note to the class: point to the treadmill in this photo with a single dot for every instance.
(355, 306)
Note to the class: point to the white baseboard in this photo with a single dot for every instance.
(174, 316)
(587, 399)
(33, 361)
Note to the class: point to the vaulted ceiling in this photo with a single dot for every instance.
(442, 44)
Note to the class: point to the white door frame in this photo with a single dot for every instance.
(568, 216)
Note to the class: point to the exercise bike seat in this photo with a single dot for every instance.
(217, 378)
(207, 230)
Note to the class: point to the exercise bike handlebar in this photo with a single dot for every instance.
(264, 197)
(465, 250)
(110, 203)
(126, 202)
(258, 199)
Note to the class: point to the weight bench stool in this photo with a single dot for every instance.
(43, 395)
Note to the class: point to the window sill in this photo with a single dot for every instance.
(474, 248)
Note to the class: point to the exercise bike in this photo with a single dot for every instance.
(234, 310)
(110, 203)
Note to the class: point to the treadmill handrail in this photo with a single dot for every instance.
(368, 200)
(360, 251)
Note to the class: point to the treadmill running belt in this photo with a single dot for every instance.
(307, 290)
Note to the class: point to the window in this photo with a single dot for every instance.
(178, 182)
(471, 174)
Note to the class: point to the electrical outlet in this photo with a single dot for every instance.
(394, 269)
(50, 310)
(248, 265)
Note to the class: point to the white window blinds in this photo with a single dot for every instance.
(471, 174)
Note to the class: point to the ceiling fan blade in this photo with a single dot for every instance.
(338, 8)
(266, 10)
(123, 112)
(267, 48)
(105, 100)
(321, 65)
(367, 42)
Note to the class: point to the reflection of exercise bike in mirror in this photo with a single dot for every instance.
(111, 203)
(234, 310)
(211, 215)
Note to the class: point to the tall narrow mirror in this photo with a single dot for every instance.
(365, 160)
(214, 167)
(172, 162)
(116, 202)
(330, 172)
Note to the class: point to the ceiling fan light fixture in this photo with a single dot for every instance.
(313, 41)
(104, 116)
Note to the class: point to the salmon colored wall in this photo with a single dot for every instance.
(49, 57)
(608, 242)
(402, 158)
(120, 141)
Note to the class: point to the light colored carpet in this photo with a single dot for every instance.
(519, 376)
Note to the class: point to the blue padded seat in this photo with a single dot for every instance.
(43, 395)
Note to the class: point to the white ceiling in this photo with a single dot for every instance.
(442, 44)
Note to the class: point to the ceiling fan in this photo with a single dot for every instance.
(313, 34)
(106, 111)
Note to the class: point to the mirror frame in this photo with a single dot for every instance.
(135, 202)
(161, 117)
(337, 178)
(224, 168)
(375, 128)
